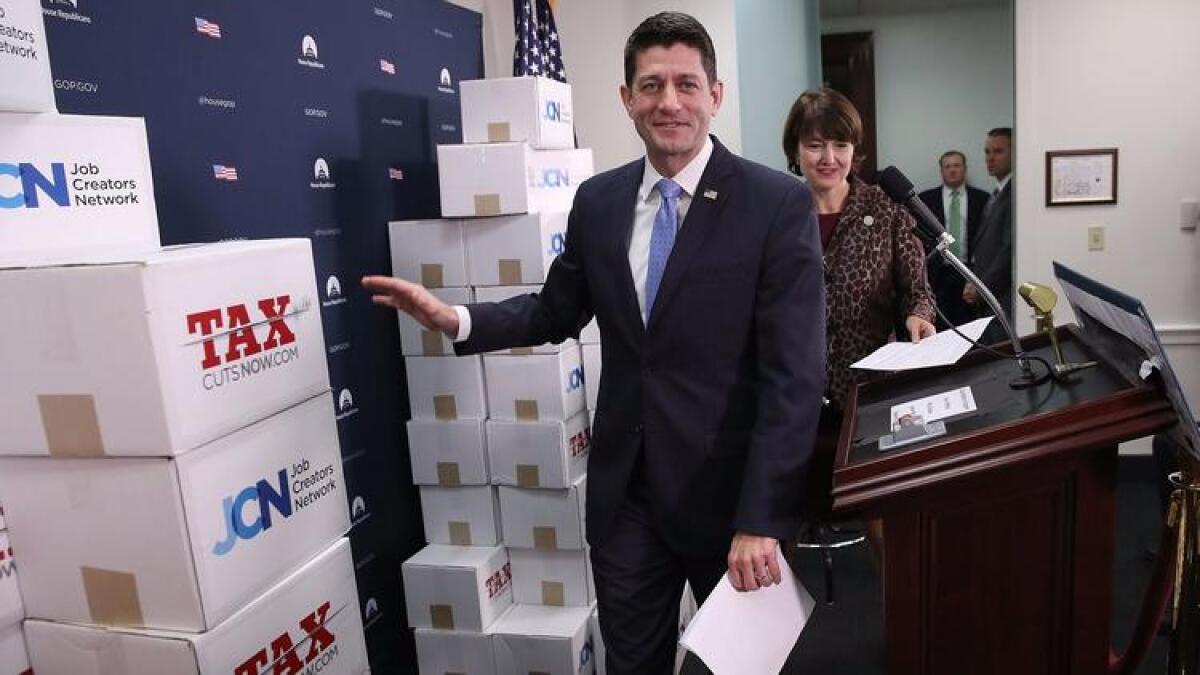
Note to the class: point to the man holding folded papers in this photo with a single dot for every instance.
(703, 271)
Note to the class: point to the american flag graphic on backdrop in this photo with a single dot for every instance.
(537, 51)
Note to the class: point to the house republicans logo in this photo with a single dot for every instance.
(333, 292)
(345, 405)
(445, 84)
(300, 486)
(313, 650)
(248, 352)
(308, 54)
(321, 176)
(371, 612)
(358, 510)
(25, 185)
(66, 14)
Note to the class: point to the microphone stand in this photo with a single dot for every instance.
(1027, 378)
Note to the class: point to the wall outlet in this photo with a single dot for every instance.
(1096, 238)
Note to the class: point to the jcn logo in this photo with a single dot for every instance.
(266, 497)
(31, 182)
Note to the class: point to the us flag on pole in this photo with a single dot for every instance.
(537, 51)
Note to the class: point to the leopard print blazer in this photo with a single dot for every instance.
(874, 278)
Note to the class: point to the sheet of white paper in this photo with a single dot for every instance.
(941, 349)
(936, 407)
(740, 633)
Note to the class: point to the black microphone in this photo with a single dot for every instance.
(901, 190)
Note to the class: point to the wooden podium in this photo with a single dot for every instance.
(998, 536)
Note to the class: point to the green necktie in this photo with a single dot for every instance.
(954, 222)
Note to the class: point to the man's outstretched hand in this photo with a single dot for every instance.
(414, 300)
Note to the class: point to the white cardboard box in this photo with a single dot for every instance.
(12, 610)
(461, 516)
(545, 520)
(502, 178)
(504, 109)
(159, 354)
(457, 587)
(444, 388)
(429, 252)
(308, 623)
(535, 387)
(502, 293)
(14, 659)
(598, 652)
(591, 333)
(591, 373)
(514, 250)
(538, 639)
(453, 651)
(554, 578)
(73, 184)
(416, 340)
(543, 454)
(177, 543)
(25, 62)
(448, 453)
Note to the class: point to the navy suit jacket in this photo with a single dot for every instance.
(946, 283)
(721, 392)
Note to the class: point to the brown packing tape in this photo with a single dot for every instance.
(554, 594)
(460, 533)
(112, 597)
(448, 474)
(526, 410)
(487, 205)
(445, 407)
(509, 271)
(442, 617)
(545, 539)
(499, 132)
(71, 425)
(521, 351)
(432, 275)
(432, 344)
(527, 476)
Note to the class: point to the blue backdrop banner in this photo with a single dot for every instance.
(306, 118)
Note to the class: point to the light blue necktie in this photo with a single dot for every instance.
(662, 239)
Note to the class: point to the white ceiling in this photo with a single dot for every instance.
(845, 8)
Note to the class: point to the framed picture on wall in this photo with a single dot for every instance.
(1075, 177)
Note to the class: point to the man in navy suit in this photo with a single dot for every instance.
(991, 258)
(704, 273)
(959, 207)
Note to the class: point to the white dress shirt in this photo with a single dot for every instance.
(646, 207)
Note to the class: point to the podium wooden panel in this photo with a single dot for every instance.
(998, 536)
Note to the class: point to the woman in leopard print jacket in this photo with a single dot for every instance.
(874, 264)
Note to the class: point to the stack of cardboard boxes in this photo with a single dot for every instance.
(169, 459)
(506, 193)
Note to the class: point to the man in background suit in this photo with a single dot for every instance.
(704, 273)
(991, 252)
(959, 206)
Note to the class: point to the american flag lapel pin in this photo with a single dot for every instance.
(710, 194)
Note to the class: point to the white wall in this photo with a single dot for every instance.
(942, 80)
(780, 57)
(593, 35)
(1110, 73)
